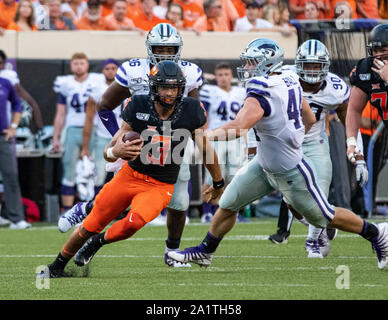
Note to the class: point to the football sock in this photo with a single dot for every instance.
(314, 232)
(59, 263)
(173, 244)
(283, 220)
(207, 207)
(369, 231)
(210, 243)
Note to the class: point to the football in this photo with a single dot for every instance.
(131, 135)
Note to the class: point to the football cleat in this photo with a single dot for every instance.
(324, 242)
(173, 263)
(312, 248)
(72, 217)
(51, 273)
(380, 245)
(281, 236)
(195, 255)
(87, 251)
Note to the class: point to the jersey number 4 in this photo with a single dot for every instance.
(382, 96)
(293, 110)
(76, 104)
(160, 157)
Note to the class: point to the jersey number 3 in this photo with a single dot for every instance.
(382, 96)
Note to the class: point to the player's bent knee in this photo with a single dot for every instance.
(125, 228)
(229, 201)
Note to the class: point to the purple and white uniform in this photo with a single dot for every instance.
(279, 163)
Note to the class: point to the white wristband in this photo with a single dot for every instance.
(109, 153)
(14, 125)
(351, 142)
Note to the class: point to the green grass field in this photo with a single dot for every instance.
(246, 266)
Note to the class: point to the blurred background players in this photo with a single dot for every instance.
(103, 137)
(222, 102)
(73, 93)
(8, 160)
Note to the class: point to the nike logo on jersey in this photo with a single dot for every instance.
(130, 218)
(169, 194)
(105, 119)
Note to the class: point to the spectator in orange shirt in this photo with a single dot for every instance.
(7, 12)
(311, 11)
(214, 19)
(383, 9)
(93, 20)
(146, 20)
(240, 6)
(334, 4)
(118, 17)
(57, 20)
(343, 10)
(192, 11)
(297, 8)
(24, 17)
(107, 7)
(175, 17)
(367, 9)
(133, 9)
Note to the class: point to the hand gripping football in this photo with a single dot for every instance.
(131, 135)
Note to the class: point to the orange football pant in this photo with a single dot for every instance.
(147, 197)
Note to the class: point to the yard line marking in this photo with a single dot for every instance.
(241, 284)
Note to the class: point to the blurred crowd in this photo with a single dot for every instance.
(192, 15)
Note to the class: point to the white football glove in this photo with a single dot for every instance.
(361, 172)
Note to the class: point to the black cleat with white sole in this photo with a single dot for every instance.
(88, 250)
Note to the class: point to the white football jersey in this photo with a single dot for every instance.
(96, 93)
(280, 132)
(221, 106)
(75, 95)
(10, 75)
(334, 91)
(133, 74)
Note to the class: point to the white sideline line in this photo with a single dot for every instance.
(161, 256)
